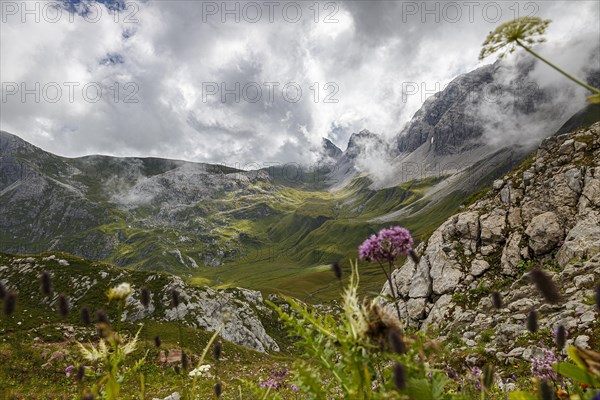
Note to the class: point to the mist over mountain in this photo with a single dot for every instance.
(162, 214)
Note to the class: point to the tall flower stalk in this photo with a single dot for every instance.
(385, 248)
(526, 32)
(113, 349)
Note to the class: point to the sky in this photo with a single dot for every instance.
(246, 84)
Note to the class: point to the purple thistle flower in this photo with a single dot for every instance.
(388, 245)
(451, 373)
(370, 249)
(279, 375)
(294, 388)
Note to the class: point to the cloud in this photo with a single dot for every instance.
(550, 97)
(173, 53)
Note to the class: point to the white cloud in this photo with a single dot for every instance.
(170, 52)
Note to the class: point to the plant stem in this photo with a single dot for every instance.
(379, 370)
(393, 293)
(119, 314)
(571, 77)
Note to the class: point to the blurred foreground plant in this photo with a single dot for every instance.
(582, 379)
(112, 350)
(111, 353)
(359, 355)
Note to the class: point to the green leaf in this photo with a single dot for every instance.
(438, 382)
(574, 372)
(595, 99)
(572, 350)
(521, 396)
(419, 389)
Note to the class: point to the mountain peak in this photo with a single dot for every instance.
(10, 143)
(330, 149)
(364, 135)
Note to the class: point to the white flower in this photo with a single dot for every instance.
(204, 368)
(200, 370)
(119, 292)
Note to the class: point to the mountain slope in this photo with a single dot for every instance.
(120, 209)
(206, 222)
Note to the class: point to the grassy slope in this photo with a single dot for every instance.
(321, 228)
(35, 331)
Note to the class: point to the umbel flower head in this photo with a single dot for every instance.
(202, 369)
(119, 292)
(524, 31)
(389, 244)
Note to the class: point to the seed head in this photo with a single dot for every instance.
(413, 255)
(88, 396)
(337, 270)
(546, 391)
(399, 376)
(2, 291)
(545, 286)
(218, 389)
(217, 351)
(101, 316)
(10, 303)
(379, 322)
(145, 297)
(46, 283)
(396, 342)
(532, 324)
(175, 298)
(63, 305)
(104, 330)
(184, 361)
(598, 298)
(497, 300)
(561, 337)
(80, 373)
(488, 376)
(157, 341)
(85, 315)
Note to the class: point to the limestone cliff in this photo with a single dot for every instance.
(545, 214)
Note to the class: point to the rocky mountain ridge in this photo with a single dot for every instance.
(74, 205)
(475, 119)
(546, 215)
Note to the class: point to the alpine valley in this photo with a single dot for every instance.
(482, 213)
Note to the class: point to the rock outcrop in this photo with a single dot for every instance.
(545, 214)
(239, 312)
